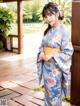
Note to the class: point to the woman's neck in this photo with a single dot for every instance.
(57, 24)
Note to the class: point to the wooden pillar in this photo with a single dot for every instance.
(20, 26)
(75, 76)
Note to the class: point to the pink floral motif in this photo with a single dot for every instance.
(51, 81)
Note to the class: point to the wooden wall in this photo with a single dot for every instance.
(75, 76)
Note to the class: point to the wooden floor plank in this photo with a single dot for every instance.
(10, 96)
(5, 92)
(13, 103)
(1, 88)
(25, 100)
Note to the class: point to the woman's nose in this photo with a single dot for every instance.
(48, 18)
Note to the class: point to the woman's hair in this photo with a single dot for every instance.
(51, 8)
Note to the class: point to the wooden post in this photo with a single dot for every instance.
(75, 71)
(20, 26)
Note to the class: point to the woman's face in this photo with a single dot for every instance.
(51, 19)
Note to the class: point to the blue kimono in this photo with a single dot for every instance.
(55, 72)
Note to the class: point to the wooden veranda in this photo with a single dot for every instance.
(20, 22)
(75, 70)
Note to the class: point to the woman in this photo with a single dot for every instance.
(54, 58)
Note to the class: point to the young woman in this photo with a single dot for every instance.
(54, 58)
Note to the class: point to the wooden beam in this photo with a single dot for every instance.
(9, 0)
(20, 26)
(13, 0)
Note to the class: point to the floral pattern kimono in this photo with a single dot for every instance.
(55, 72)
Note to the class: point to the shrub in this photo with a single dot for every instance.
(7, 17)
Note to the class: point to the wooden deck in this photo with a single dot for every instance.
(17, 81)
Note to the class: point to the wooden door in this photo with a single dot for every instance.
(75, 71)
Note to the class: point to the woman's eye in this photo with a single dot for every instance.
(50, 14)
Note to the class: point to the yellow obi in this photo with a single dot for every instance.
(50, 51)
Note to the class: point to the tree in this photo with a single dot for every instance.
(27, 15)
(36, 11)
(32, 11)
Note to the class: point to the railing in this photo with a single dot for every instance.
(10, 44)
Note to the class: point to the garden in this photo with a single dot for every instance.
(32, 18)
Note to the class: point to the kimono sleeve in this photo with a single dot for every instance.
(41, 48)
(39, 66)
(63, 58)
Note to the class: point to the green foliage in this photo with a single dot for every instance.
(33, 11)
(7, 17)
(66, 6)
(35, 15)
(27, 15)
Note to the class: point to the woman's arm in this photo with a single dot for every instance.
(63, 58)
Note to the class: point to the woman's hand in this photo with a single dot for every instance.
(44, 57)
